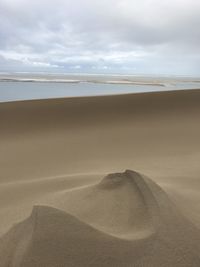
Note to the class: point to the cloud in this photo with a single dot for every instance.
(136, 36)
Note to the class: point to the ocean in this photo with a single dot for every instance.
(15, 87)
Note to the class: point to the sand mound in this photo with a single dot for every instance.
(118, 205)
(125, 220)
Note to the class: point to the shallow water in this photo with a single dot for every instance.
(16, 89)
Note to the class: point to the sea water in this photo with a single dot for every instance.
(23, 87)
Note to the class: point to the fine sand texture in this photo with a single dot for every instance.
(101, 181)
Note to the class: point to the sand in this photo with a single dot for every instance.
(66, 199)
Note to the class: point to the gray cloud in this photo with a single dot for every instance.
(134, 36)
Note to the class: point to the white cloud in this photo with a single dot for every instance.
(141, 36)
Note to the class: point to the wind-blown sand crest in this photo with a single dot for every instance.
(105, 229)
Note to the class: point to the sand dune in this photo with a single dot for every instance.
(115, 206)
(54, 155)
(105, 233)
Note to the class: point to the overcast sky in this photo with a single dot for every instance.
(104, 36)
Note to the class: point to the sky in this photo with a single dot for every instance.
(105, 36)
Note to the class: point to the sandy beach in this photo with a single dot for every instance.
(101, 181)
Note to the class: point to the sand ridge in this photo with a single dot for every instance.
(51, 237)
(114, 205)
